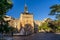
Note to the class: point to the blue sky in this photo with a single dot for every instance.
(39, 8)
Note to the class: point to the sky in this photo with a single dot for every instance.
(39, 8)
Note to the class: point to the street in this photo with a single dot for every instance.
(37, 36)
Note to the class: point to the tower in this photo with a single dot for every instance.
(25, 8)
(26, 21)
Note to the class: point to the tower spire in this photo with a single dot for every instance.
(25, 8)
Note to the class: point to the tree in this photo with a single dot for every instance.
(57, 24)
(53, 26)
(44, 27)
(55, 10)
(5, 5)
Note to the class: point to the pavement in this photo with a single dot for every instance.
(39, 36)
(36, 36)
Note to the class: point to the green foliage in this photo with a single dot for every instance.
(3, 27)
(44, 26)
(12, 29)
(55, 10)
(53, 26)
(6, 29)
(57, 24)
(5, 5)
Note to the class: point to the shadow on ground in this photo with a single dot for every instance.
(37, 36)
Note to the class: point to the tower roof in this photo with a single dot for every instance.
(25, 8)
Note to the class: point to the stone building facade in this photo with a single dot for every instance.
(25, 23)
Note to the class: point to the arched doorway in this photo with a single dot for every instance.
(28, 29)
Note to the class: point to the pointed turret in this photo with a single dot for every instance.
(25, 8)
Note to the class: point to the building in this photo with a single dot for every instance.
(26, 23)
